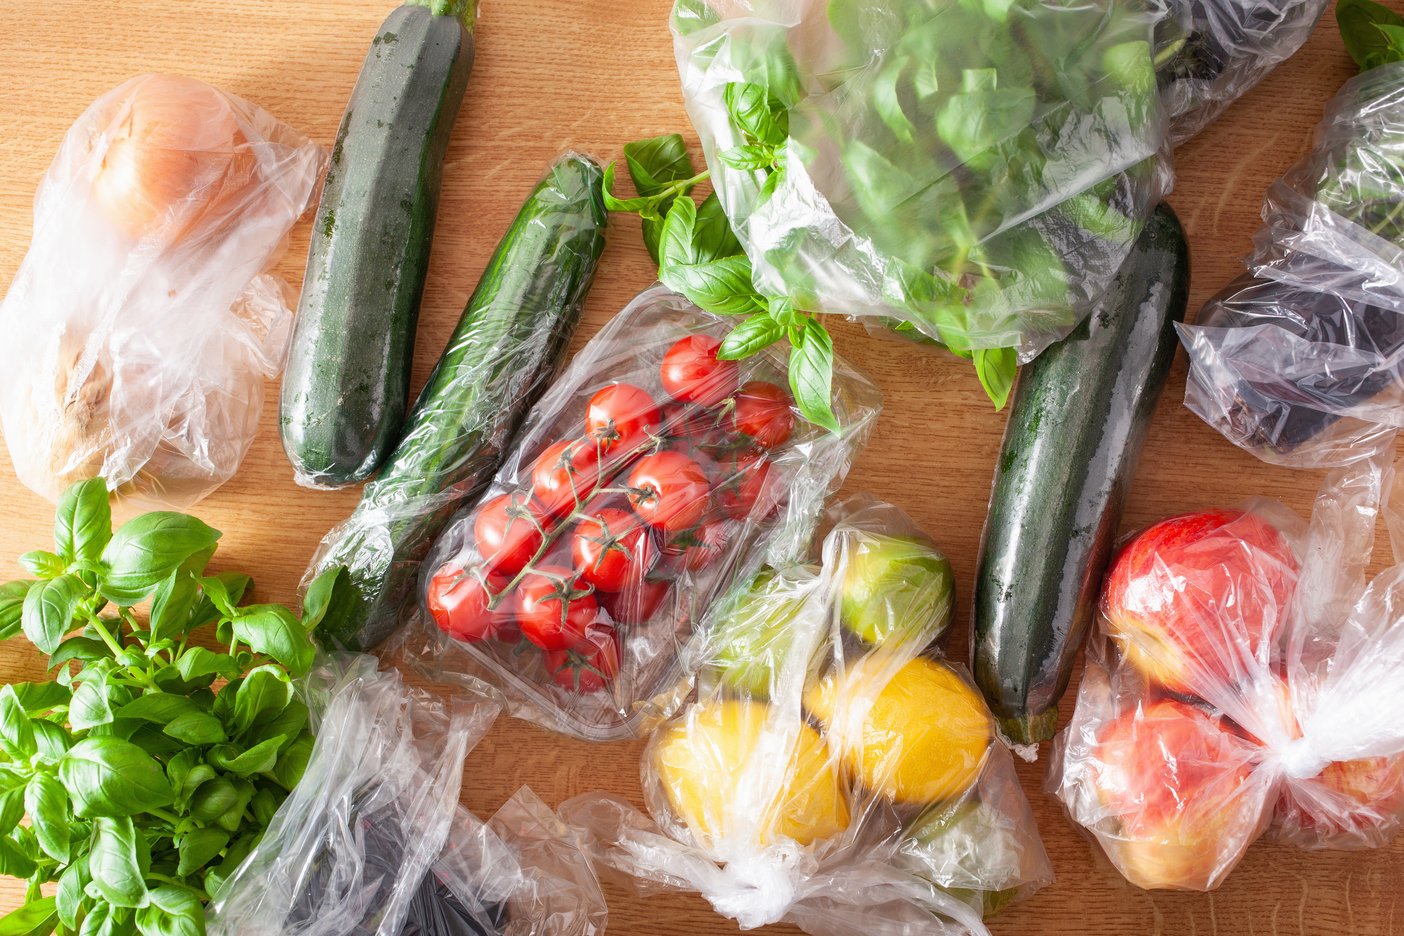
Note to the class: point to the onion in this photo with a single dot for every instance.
(175, 157)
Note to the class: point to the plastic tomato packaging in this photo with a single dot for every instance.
(834, 771)
(142, 325)
(648, 480)
(1246, 680)
(373, 839)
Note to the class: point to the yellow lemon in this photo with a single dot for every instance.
(918, 739)
(700, 760)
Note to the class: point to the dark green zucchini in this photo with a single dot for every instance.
(347, 381)
(1079, 418)
(507, 348)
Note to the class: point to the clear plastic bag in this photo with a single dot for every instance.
(140, 327)
(625, 507)
(1246, 679)
(1300, 361)
(834, 772)
(373, 839)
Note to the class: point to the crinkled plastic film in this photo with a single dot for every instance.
(834, 772)
(1245, 680)
(141, 325)
(506, 353)
(933, 179)
(747, 501)
(1300, 361)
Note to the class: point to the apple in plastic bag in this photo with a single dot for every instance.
(1192, 599)
(1358, 803)
(895, 586)
(1174, 779)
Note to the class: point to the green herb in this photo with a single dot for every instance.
(1373, 34)
(145, 787)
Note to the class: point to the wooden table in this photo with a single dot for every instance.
(553, 74)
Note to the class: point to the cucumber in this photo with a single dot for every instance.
(347, 380)
(507, 347)
(1079, 418)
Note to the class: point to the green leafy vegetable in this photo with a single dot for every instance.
(1373, 34)
(143, 788)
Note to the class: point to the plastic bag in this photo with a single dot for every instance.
(1300, 361)
(1246, 679)
(834, 771)
(140, 327)
(373, 839)
(653, 497)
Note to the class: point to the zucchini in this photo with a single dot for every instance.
(1079, 418)
(347, 380)
(507, 347)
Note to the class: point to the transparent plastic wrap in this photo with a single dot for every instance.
(141, 325)
(1209, 53)
(834, 772)
(972, 174)
(373, 840)
(648, 479)
(508, 346)
(1300, 361)
(1246, 679)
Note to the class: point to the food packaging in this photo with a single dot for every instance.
(373, 840)
(1246, 680)
(1299, 361)
(834, 771)
(622, 512)
(142, 324)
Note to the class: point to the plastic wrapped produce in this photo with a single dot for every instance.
(372, 840)
(141, 325)
(834, 772)
(1246, 679)
(648, 479)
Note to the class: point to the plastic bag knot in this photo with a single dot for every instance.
(1300, 759)
(758, 890)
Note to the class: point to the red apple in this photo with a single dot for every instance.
(1174, 778)
(1193, 599)
(1355, 802)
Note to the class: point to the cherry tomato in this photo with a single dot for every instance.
(621, 417)
(458, 601)
(564, 474)
(762, 411)
(669, 490)
(692, 373)
(612, 548)
(698, 548)
(590, 668)
(553, 610)
(743, 483)
(508, 530)
(635, 604)
(696, 432)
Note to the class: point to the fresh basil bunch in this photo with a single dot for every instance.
(145, 786)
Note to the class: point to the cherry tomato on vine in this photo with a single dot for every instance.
(763, 411)
(699, 547)
(743, 483)
(669, 490)
(554, 607)
(621, 417)
(612, 549)
(508, 530)
(696, 432)
(459, 602)
(589, 668)
(635, 604)
(565, 473)
(691, 372)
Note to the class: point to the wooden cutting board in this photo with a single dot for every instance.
(591, 76)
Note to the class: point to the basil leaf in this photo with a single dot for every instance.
(11, 809)
(199, 775)
(722, 287)
(261, 758)
(264, 694)
(657, 163)
(53, 740)
(179, 767)
(761, 117)
(265, 804)
(149, 548)
(90, 706)
(1359, 22)
(115, 863)
(712, 237)
(154, 741)
(289, 722)
(13, 860)
(173, 604)
(197, 662)
(612, 203)
(292, 763)
(37, 918)
(330, 594)
(997, 368)
(213, 799)
(12, 607)
(197, 728)
(38, 698)
(675, 241)
(749, 156)
(83, 520)
(159, 707)
(110, 777)
(754, 334)
(811, 374)
(234, 585)
(49, 608)
(888, 103)
(43, 563)
(46, 801)
(79, 648)
(70, 892)
(274, 631)
(173, 911)
(16, 730)
(199, 847)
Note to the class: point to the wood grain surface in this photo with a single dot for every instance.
(591, 75)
